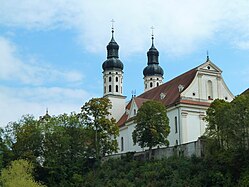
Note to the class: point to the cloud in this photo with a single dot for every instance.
(16, 102)
(29, 86)
(30, 71)
(181, 26)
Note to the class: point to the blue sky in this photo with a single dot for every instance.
(51, 51)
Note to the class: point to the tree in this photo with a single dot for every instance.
(152, 127)
(65, 151)
(24, 139)
(219, 128)
(19, 173)
(102, 128)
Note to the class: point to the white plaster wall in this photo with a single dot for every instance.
(113, 74)
(172, 135)
(152, 79)
(199, 87)
(126, 133)
(118, 106)
(193, 125)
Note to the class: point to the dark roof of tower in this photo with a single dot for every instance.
(112, 44)
(112, 62)
(153, 67)
(153, 51)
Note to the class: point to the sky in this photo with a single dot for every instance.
(51, 51)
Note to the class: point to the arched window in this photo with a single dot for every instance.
(157, 84)
(151, 84)
(110, 79)
(116, 88)
(110, 88)
(105, 89)
(116, 79)
(122, 144)
(210, 89)
(135, 112)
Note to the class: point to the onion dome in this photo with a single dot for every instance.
(153, 67)
(112, 62)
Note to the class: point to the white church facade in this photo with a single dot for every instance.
(187, 96)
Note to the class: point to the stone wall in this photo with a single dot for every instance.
(189, 149)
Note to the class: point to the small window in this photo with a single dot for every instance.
(110, 88)
(122, 144)
(116, 73)
(225, 98)
(105, 89)
(116, 79)
(208, 67)
(150, 78)
(157, 79)
(110, 73)
(210, 89)
(121, 90)
(105, 80)
(135, 112)
(151, 84)
(210, 98)
(176, 142)
(157, 84)
(116, 88)
(175, 124)
(145, 86)
(110, 79)
(193, 93)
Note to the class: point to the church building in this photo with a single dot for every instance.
(187, 96)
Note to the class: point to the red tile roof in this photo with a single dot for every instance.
(122, 120)
(139, 101)
(199, 103)
(170, 89)
(171, 92)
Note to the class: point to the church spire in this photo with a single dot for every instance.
(207, 57)
(112, 47)
(153, 53)
(153, 73)
(152, 37)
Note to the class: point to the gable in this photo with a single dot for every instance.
(209, 67)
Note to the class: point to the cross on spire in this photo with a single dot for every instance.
(112, 24)
(207, 56)
(152, 31)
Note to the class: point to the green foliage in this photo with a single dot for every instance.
(228, 124)
(64, 148)
(174, 171)
(24, 138)
(152, 127)
(103, 130)
(18, 173)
